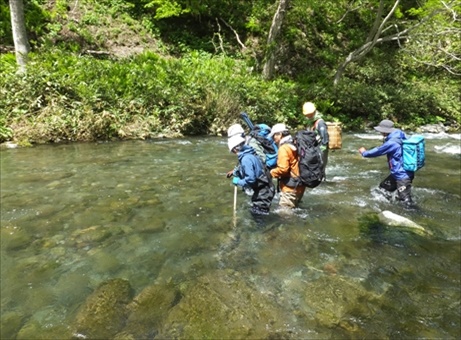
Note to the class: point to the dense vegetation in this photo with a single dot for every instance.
(141, 68)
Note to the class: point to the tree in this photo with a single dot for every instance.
(21, 43)
(422, 31)
(268, 69)
(441, 49)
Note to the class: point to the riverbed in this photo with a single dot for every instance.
(159, 215)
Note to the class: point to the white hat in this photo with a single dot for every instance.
(235, 130)
(309, 109)
(234, 141)
(277, 128)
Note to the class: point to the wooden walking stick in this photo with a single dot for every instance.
(235, 206)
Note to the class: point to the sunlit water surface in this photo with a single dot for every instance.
(74, 216)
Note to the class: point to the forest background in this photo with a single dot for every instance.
(131, 69)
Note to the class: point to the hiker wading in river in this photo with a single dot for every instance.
(399, 179)
(251, 173)
(287, 170)
(316, 123)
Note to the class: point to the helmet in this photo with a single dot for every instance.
(309, 109)
(234, 141)
(235, 130)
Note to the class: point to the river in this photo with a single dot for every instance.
(159, 215)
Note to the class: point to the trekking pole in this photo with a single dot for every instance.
(235, 206)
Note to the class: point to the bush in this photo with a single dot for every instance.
(65, 97)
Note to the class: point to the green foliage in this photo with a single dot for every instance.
(137, 98)
(6, 34)
(165, 8)
(36, 19)
(5, 132)
(204, 79)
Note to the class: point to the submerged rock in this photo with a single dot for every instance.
(93, 234)
(10, 323)
(391, 219)
(33, 329)
(14, 238)
(222, 305)
(104, 312)
(148, 310)
(335, 302)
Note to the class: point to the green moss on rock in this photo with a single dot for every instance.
(104, 312)
(222, 305)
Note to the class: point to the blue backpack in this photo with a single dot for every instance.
(413, 152)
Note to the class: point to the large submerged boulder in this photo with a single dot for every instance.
(104, 312)
(222, 305)
(148, 310)
(335, 302)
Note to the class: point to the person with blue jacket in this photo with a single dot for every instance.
(251, 173)
(399, 179)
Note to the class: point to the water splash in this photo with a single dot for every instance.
(449, 148)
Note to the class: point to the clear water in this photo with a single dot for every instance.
(76, 215)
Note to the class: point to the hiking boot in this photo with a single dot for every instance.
(259, 211)
(409, 204)
(387, 194)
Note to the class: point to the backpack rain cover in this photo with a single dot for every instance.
(310, 158)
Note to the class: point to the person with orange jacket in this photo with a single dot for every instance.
(287, 170)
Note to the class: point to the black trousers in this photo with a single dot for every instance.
(264, 192)
(403, 187)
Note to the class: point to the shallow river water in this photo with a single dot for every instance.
(158, 217)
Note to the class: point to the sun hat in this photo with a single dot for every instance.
(234, 141)
(235, 130)
(309, 109)
(385, 126)
(277, 128)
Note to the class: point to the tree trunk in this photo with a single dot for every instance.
(269, 66)
(21, 43)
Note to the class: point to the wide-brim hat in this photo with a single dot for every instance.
(234, 141)
(235, 130)
(385, 126)
(277, 128)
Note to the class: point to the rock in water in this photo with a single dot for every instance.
(104, 312)
(389, 218)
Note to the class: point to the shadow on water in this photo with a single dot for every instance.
(137, 240)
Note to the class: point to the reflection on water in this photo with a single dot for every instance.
(157, 217)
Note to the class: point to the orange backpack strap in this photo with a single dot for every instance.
(317, 123)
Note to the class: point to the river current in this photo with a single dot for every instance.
(74, 216)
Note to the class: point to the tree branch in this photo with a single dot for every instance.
(378, 28)
(236, 34)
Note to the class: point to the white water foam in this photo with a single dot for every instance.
(433, 192)
(338, 179)
(367, 136)
(442, 135)
(449, 148)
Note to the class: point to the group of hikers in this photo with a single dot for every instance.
(257, 167)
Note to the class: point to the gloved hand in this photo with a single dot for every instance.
(235, 181)
(229, 174)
